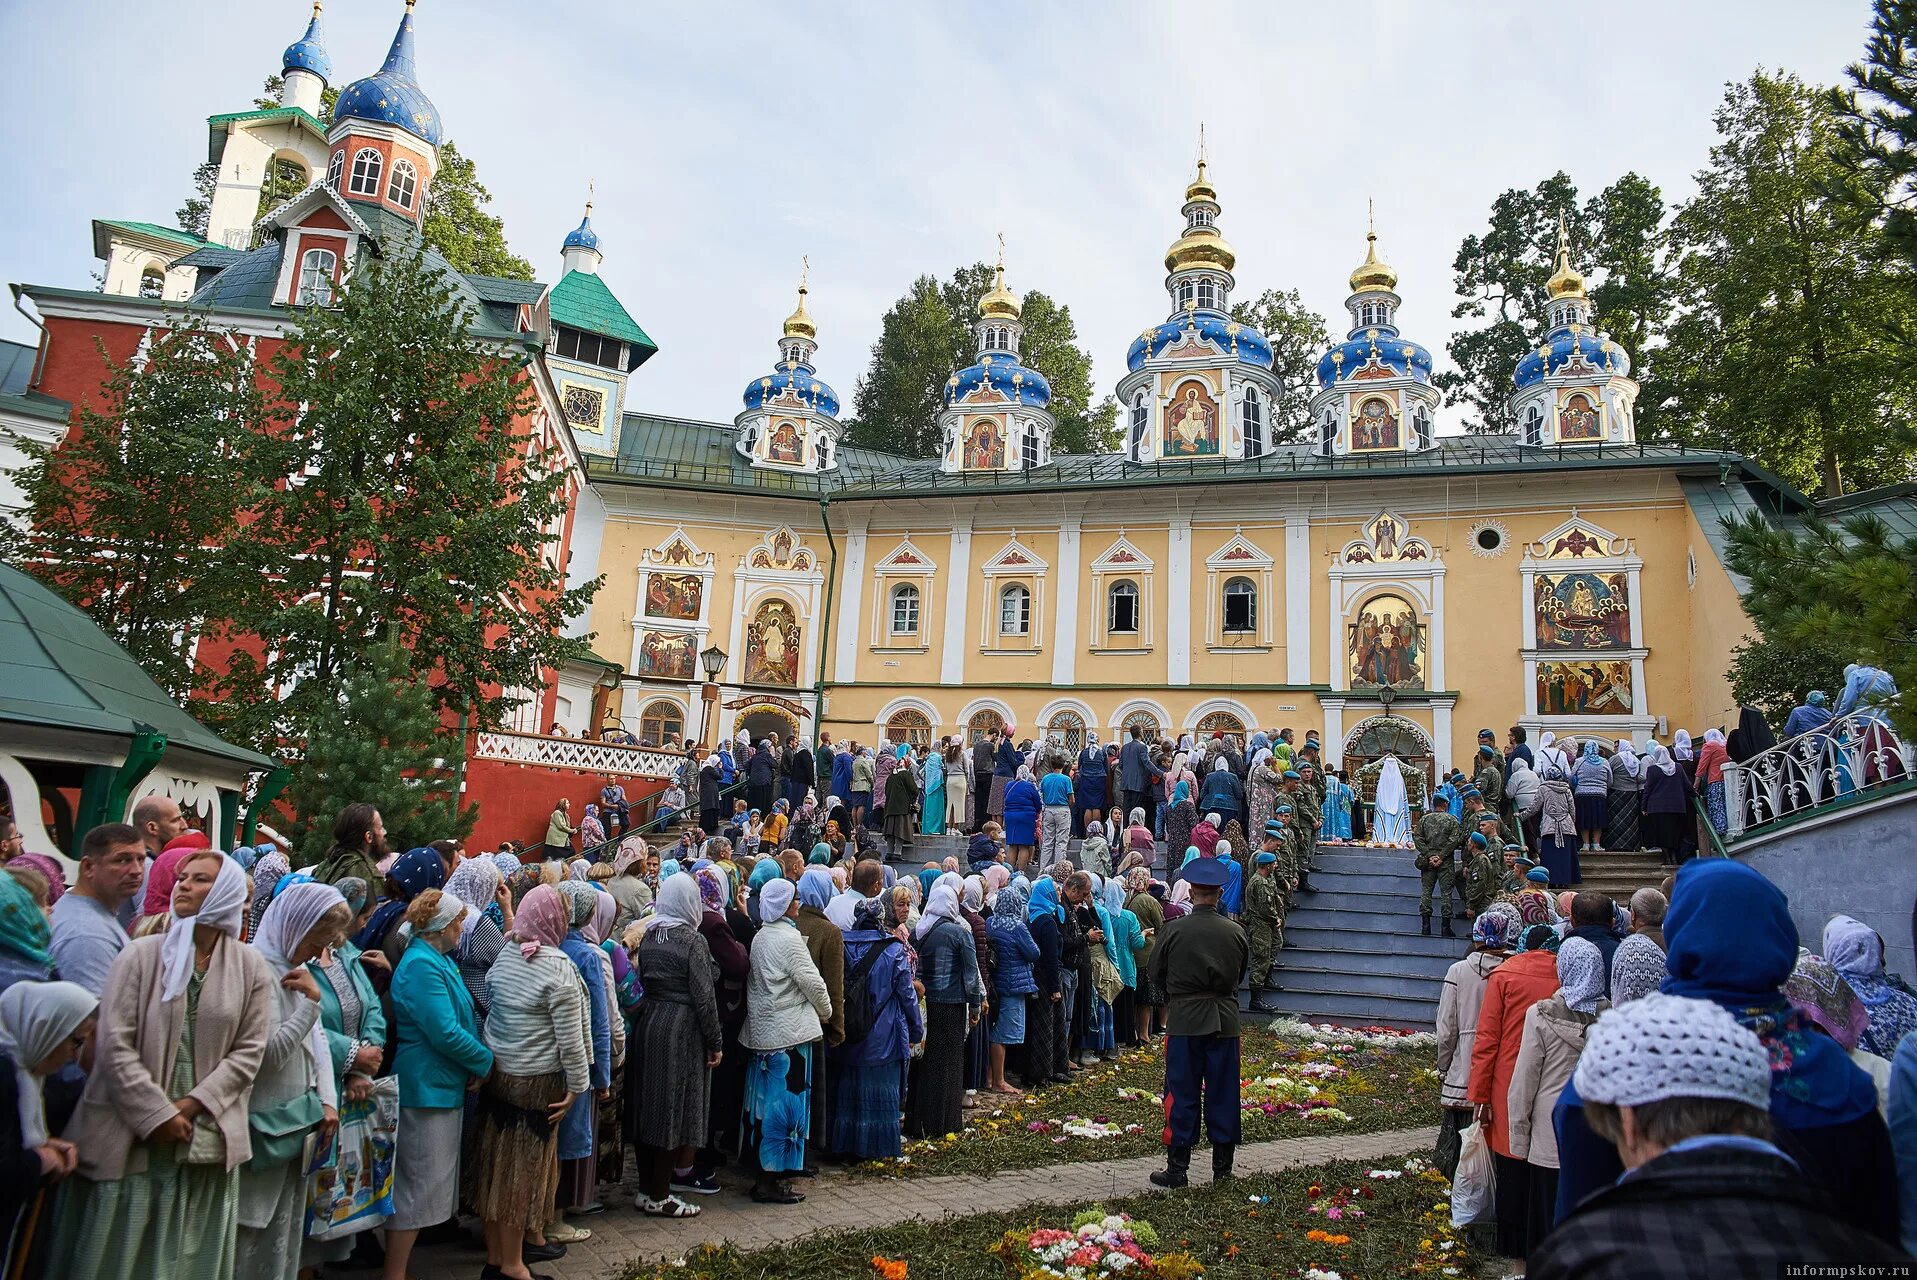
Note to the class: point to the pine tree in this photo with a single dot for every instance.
(384, 742)
(1876, 121)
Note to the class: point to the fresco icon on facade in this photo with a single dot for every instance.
(772, 645)
(1386, 645)
(674, 595)
(1583, 611)
(667, 655)
(1579, 419)
(1191, 423)
(985, 446)
(786, 445)
(1584, 688)
(1374, 423)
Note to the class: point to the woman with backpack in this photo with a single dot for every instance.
(882, 1024)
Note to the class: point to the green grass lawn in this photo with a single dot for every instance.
(1391, 1221)
(1296, 1081)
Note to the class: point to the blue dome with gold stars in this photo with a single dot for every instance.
(1566, 346)
(1246, 343)
(809, 387)
(308, 53)
(392, 94)
(582, 237)
(1379, 350)
(1001, 373)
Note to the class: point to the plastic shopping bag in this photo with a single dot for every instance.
(1471, 1187)
(355, 1191)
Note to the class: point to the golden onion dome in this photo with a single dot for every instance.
(999, 303)
(800, 324)
(1566, 281)
(1373, 275)
(1200, 247)
(1201, 188)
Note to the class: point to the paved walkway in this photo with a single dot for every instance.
(622, 1237)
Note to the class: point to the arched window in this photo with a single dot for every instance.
(366, 171)
(1533, 426)
(1241, 606)
(905, 610)
(1147, 726)
(1187, 292)
(1067, 729)
(1421, 428)
(152, 280)
(1252, 416)
(1201, 217)
(336, 169)
(661, 722)
(1029, 449)
(1140, 417)
(908, 726)
(794, 353)
(1327, 433)
(1208, 294)
(1220, 722)
(980, 726)
(316, 278)
(405, 184)
(1121, 608)
(1015, 610)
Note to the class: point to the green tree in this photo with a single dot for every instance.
(1876, 124)
(1501, 274)
(928, 335)
(127, 515)
(1774, 675)
(1784, 352)
(1831, 593)
(417, 510)
(456, 220)
(382, 743)
(1298, 337)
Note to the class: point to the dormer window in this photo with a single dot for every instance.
(336, 169)
(1327, 433)
(405, 184)
(1533, 426)
(316, 278)
(589, 348)
(1420, 428)
(367, 167)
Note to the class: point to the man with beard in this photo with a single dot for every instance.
(359, 845)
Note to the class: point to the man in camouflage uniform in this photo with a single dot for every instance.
(1437, 836)
(1279, 843)
(1265, 926)
(1308, 805)
(1490, 783)
(1479, 878)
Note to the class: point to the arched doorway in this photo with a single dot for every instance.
(1373, 739)
(768, 722)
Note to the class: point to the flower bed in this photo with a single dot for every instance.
(1301, 1081)
(1394, 1222)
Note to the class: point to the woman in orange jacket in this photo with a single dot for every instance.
(1509, 993)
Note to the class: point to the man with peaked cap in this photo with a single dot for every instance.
(1197, 963)
(1265, 926)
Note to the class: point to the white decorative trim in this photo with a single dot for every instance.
(1297, 599)
(585, 754)
(846, 643)
(1420, 580)
(1504, 539)
(907, 702)
(1122, 562)
(1015, 560)
(1065, 625)
(1230, 706)
(977, 705)
(1240, 557)
(907, 560)
(1122, 557)
(1178, 616)
(1166, 722)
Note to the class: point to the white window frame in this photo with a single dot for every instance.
(368, 168)
(1208, 293)
(1124, 589)
(1140, 423)
(905, 599)
(336, 169)
(1030, 452)
(1201, 217)
(1015, 608)
(317, 285)
(403, 188)
(1251, 421)
(1250, 595)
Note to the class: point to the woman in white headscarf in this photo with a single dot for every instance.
(295, 1093)
(161, 1131)
(1262, 783)
(787, 1002)
(1552, 759)
(1391, 807)
(1623, 801)
(42, 1026)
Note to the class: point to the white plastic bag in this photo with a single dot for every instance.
(1471, 1186)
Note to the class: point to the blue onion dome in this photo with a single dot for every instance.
(1242, 342)
(1001, 373)
(308, 53)
(1376, 352)
(1568, 346)
(392, 94)
(583, 236)
(808, 386)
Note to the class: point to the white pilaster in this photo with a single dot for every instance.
(1334, 742)
(1438, 630)
(958, 592)
(1297, 599)
(851, 597)
(1065, 625)
(1178, 598)
(1441, 735)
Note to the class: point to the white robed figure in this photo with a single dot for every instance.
(1391, 807)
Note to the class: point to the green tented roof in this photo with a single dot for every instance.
(582, 301)
(57, 669)
(173, 234)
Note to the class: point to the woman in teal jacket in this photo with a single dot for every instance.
(437, 1056)
(349, 1006)
(1127, 939)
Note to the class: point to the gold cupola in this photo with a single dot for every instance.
(1201, 247)
(999, 303)
(1373, 275)
(800, 324)
(1566, 281)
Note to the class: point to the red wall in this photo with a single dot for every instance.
(516, 799)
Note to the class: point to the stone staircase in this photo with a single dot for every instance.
(1353, 952)
(1622, 874)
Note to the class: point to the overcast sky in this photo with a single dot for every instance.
(891, 139)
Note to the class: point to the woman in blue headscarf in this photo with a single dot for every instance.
(1126, 940)
(932, 823)
(901, 800)
(763, 870)
(1181, 816)
(1730, 940)
(1592, 785)
(1867, 692)
(412, 873)
(1044, 1010)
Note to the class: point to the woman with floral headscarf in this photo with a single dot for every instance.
(1856, 951)
(268, 871)
(1548, 1051)
(161, 1130)
(1492, 935)
(1711, 759)
(413, 871)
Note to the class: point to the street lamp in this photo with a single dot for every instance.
(714, 661)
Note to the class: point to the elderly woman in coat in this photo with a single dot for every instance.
(786, 1004)
(1492, 936)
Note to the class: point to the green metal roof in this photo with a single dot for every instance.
(581, 300)
(216, 257)
(683, 452)
(154, 229)
(1894, 504)
(16, 366)
(216, 126)
(506, 289)
(57, 669)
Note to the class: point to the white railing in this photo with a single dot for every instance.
(588, 755)
(1858, 753)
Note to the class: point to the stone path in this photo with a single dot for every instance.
(623, 1238)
